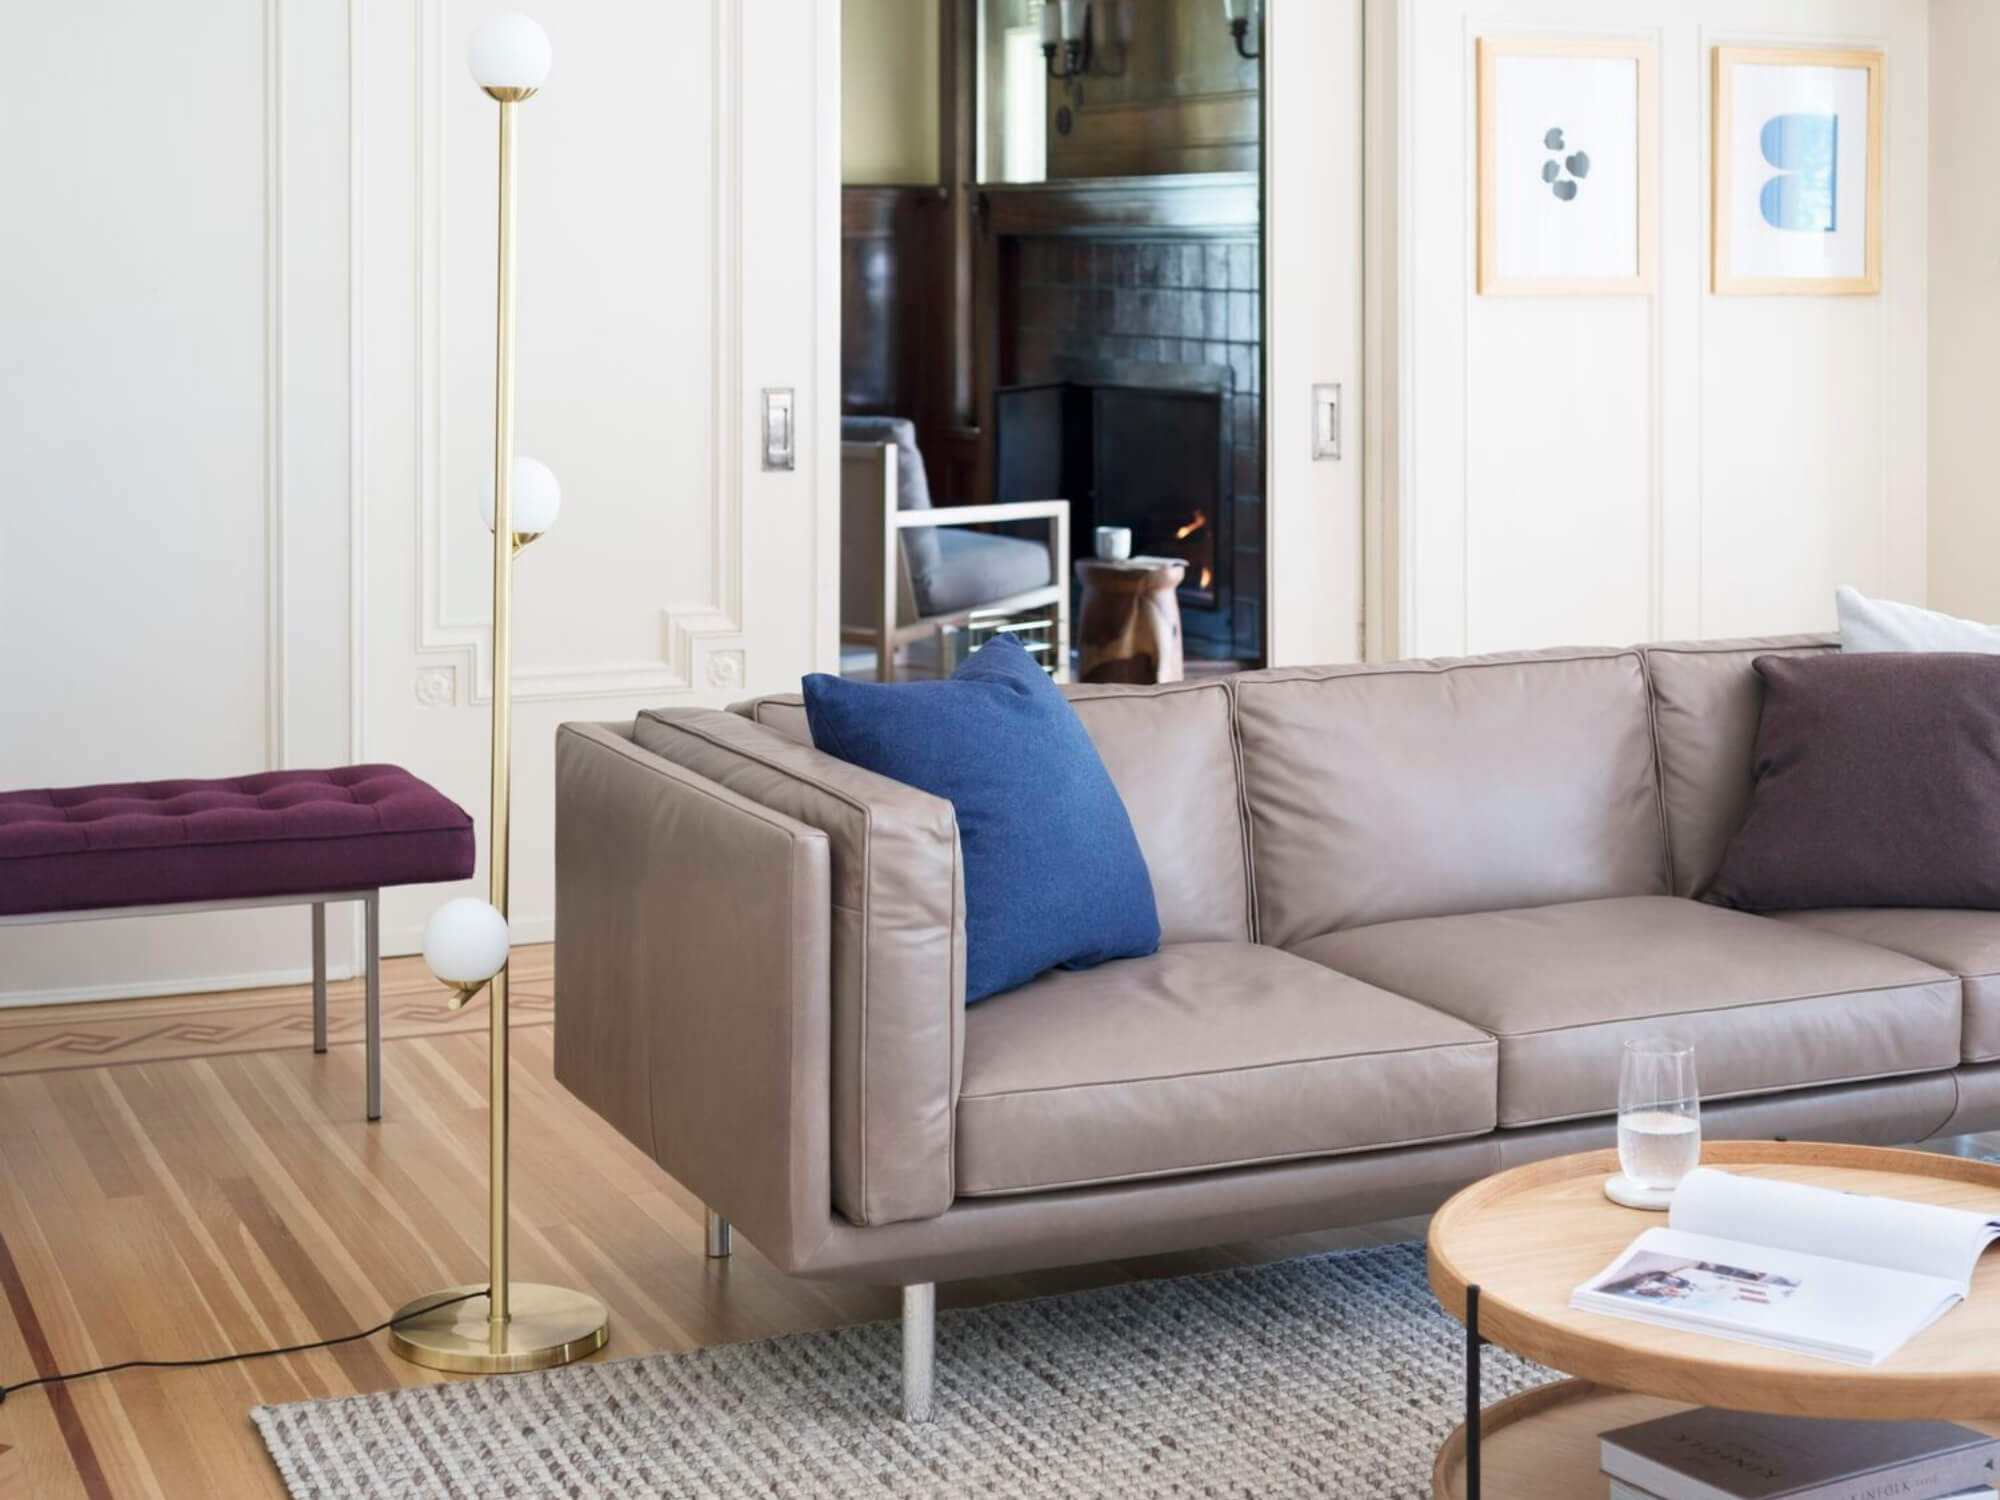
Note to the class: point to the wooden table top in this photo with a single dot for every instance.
(1528, 1237)
(1154, 571)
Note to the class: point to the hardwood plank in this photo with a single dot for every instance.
(166, 1203)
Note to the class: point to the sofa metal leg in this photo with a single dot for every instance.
(720, 1241)
(372, 909)
(919, 1349)
(319, 976)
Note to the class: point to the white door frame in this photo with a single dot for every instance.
(1314, 156)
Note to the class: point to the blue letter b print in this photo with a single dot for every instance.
(1806, 151)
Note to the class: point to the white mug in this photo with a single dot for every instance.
(1113, 543)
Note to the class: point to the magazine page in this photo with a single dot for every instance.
(1808, 1303)
(1876, 1231)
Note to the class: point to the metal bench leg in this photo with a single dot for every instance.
(919, 1349)
(371, 905)
(720, 1241)
(319, 976)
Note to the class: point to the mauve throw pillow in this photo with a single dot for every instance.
(1053, 872)
(1877, 783)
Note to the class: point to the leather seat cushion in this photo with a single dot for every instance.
(1769, 1005)
(1967, 943)
(1202, 1056)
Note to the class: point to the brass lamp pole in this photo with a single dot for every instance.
(514, 1325)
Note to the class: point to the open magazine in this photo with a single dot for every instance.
(1844, 1276)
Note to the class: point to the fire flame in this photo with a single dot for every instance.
(1200, 520)
(1207, 577)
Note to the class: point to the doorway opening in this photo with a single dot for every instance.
(1052, 253)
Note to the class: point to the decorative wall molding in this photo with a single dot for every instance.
(688, 630)
(357, 409)
(725, 669)
(437, 687)
(274, 386)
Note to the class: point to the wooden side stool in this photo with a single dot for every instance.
(1129, 626)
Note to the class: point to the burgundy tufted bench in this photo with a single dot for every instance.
(273, 839)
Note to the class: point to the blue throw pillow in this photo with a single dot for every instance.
(1053, 872)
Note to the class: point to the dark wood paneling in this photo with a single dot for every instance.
(958, 105)
(885, 278)
(1167, 93)
(908, 290)
(1202, 202)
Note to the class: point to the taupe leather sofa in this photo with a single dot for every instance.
(1409, 914)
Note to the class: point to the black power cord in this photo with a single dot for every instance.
(224, 1359)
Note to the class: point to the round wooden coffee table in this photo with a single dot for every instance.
(1506, 1253)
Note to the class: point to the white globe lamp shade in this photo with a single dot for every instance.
(465, 941)
(536, 501)
(509, 52)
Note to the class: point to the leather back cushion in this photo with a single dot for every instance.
(1433, 788)
(1172, 754)
(1707, 699)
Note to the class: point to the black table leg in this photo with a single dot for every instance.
(1472, 1343)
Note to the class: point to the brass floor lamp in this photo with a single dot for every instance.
(499, 1324)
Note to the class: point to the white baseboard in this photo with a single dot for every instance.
(198, 985)
(523, 931)
(396, 942)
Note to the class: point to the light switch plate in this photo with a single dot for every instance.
(1326, 421)
(780, 431)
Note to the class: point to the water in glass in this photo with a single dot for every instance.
(1659, 1113)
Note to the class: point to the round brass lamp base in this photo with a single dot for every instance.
(547, 1326)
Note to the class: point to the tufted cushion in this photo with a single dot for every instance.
(275, 834)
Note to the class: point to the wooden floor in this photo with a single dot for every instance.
(184, 1177)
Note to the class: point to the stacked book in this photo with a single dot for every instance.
(1705, 1454)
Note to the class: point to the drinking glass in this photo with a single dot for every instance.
(1659, 1113)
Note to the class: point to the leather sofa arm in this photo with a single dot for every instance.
(692, 962)
(896, 986)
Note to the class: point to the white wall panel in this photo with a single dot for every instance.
(1602, 470)
(246, 389)
(1965, 309)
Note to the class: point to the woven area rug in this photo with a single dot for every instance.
(1333, 1375)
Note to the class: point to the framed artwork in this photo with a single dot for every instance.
(1798, 171)
(1568, 172)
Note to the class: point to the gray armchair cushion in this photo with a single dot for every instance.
(975, 568)
(913, 491)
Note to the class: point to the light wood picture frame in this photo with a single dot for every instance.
(1753, 253)
(1525, 249)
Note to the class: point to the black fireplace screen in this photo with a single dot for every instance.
(1160, 464)
(1153, 457)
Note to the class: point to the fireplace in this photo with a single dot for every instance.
(1161, 464)
(1142, 445)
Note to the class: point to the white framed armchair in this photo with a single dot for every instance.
(908, 570)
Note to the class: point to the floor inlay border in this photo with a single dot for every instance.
(108, 1033)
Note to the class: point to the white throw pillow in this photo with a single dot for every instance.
(1882, 625)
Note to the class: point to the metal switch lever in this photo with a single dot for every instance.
(780, 445)
(1326, 421)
